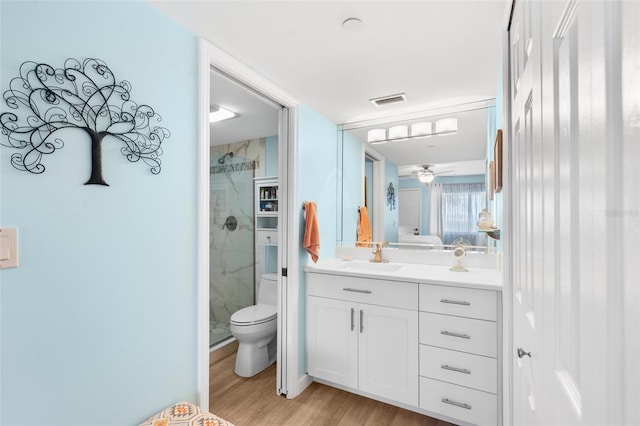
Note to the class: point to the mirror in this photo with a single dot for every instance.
(458, 161)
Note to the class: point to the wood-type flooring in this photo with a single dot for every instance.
(253, 402)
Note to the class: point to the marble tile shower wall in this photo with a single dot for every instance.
(231, 276)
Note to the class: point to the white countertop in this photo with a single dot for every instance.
(483, 278)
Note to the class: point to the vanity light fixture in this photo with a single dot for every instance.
(398, 133)
(423, 129)
(375, 136)
(446, 126)
(221, 114)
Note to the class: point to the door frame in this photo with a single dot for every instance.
(210, 55)
(378, 201)
(506, 236)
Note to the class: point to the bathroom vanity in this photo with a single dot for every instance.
(417, 336)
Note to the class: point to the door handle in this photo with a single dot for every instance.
(352, 323)
(522, 353)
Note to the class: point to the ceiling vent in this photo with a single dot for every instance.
(388, 100)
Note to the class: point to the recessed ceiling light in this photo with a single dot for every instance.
(221, 114)
(351, 24)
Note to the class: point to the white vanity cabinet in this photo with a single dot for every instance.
(363, 334)
(421, 337)
(459, 353)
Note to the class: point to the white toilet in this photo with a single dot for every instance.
(255, 328)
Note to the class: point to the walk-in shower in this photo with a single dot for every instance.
(231, 262)
(242, 149)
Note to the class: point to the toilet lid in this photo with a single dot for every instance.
(254, 314)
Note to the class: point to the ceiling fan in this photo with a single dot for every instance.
(426, 174)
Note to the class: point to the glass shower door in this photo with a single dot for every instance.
(231, 270)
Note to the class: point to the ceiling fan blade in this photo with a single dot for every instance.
(442, 172)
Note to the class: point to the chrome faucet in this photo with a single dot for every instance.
(377, 253)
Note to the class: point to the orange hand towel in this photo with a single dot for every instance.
(311, 233)
(364, 228)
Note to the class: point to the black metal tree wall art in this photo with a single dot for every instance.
(48, 103)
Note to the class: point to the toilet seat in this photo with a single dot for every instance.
(253, 315)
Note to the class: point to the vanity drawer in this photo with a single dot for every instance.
(463, 302)
(460, 334)
(267, 236)
(394, 294)
(458, 402)
(460, 368)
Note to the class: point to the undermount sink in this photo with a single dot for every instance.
(362, 266)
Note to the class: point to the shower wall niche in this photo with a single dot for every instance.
(233, 168)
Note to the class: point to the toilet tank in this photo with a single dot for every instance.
(268, 289)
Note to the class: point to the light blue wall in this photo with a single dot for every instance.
(424, 193)
(390, 214)
(271, 154)
(98, 324)
(317, 181)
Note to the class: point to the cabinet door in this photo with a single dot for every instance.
(388, 340)
(332, 340)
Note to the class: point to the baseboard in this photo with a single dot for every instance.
(223, 351)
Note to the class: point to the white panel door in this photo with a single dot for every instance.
(575, 136)
(389, 352)
(409, 208)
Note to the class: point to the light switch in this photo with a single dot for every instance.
(5, 247)
(8, 248)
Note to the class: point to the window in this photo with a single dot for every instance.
(457, 211)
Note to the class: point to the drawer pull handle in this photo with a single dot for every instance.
(457, 404)
(452, 334)
(352, 322)
(455, 302)
(456, 369)
(356, 290)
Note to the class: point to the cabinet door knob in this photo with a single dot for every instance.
(522, 353)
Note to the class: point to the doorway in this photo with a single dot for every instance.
(243, 148)
(210, 56)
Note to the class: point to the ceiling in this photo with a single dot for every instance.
(256, 118)
(439, 53)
